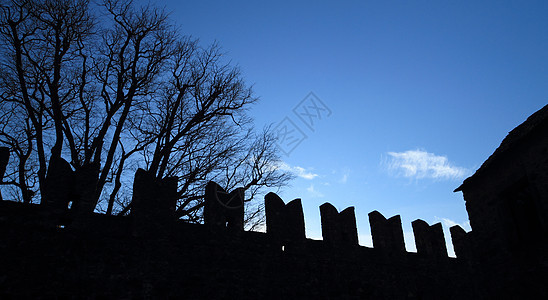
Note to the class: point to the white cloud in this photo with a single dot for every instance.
(420, 164)
(299, 171)
(313, 192)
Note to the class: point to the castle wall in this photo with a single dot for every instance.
(52, 251)
(107, 258)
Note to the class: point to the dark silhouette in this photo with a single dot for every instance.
(153, 204)
(338, 228)
(91, 91)
(507, 203)
(429, 239)
(49, 251)
(222, 209)
(284, 222)
(386, 234)
(46, 253)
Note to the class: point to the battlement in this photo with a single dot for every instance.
(132, 256)
(151, 236)
(53, 251)
(153, 209)
(285, 224)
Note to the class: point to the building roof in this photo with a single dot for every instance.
(513, 138)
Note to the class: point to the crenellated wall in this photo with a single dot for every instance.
(51, 251)
(151, 254)
(285, 223)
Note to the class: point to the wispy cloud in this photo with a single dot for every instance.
(420, 164)
(344, 178)
(313, 192)
(299, 171)
(341, 174)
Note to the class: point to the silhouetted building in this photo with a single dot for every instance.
(507, 204)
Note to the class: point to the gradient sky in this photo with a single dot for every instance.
(420, 93)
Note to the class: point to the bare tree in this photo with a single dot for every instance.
(113, 86)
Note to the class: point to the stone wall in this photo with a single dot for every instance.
(112, 257)
(51, 251)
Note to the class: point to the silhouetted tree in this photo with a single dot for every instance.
(114, 86)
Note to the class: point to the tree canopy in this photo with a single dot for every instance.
(114, 86)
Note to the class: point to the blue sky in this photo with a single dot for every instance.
(420, 93)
